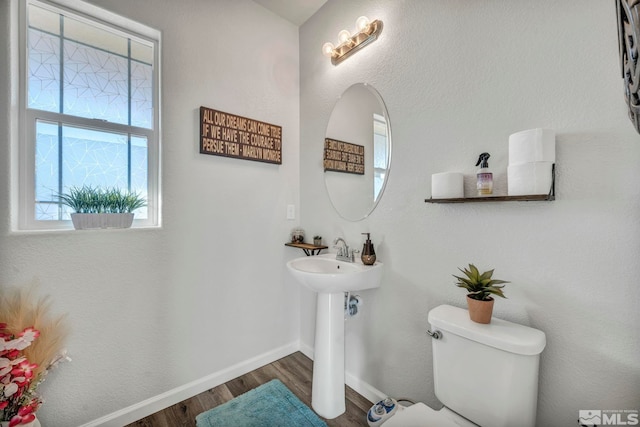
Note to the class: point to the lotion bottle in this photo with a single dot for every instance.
(368, 254)
(484, 176)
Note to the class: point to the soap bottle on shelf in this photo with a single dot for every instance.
(368, 254)
(484, 176)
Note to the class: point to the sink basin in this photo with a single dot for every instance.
(325, 274)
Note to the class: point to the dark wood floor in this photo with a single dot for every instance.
(295, 371)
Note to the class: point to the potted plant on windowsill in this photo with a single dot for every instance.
(480, 288)
(101, 207)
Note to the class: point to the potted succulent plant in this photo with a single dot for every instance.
(481, 287)
(101, 207)
(317, 240)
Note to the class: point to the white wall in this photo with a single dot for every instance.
(458, 78)
(152, 310)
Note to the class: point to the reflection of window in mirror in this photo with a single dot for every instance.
(379, 153)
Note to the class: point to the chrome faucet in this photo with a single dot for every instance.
(343, 254)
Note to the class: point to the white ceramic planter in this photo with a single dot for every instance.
(87, 221)
(34, 423)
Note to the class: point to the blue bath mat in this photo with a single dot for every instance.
(270, 405)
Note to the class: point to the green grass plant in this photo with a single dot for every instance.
(88, 199)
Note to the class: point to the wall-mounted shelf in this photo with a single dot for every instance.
(531, 198)
(307, 248)
(527, 198)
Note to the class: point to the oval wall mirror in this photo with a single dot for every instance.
(357, 152)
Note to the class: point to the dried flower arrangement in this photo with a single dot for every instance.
(31, 343)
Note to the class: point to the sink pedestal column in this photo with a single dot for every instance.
(327, 394)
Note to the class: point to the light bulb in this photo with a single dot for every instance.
(327, 49)
(362, 23)
(344, 36)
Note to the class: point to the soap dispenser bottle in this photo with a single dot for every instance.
(368, 254)
(484, 176)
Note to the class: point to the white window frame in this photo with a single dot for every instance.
(28, 117)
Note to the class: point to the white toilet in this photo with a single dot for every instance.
(485, 375)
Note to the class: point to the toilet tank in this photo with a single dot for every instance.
(486, 373)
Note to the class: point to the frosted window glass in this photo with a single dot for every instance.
(44, 71)
(47, 161)
(95, 158)
(47, 212)
(95, 84)
(139, 178)
(141, 95)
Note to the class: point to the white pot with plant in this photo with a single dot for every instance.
(101, 207)
(480, 288)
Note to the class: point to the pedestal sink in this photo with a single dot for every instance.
(331, 278)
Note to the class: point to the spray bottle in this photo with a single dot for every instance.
(485, 177)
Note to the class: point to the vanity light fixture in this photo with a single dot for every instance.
(366, 32)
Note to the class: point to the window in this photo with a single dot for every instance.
(90, 110)
(380, 154)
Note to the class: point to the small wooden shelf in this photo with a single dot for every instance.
(308, 248)
(531, 198)
(528, 198)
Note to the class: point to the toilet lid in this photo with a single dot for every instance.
(419, 415)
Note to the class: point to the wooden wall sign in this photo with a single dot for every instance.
(228, 135)
(628, 39)
(342, 156)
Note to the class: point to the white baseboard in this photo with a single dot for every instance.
(157, 403)
(364, 389)
(306, 349)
